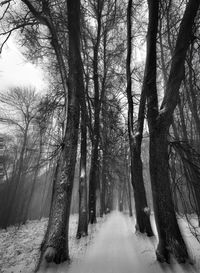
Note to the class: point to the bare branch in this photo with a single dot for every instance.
(12, 122)
(5, 2)
(36, 13)
(8, 36)
(5, 9)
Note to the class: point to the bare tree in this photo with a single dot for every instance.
(55, 244)
(135, 139)
(170, 238)
(22, 106)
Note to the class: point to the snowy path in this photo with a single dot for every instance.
(118, 250)
(113, 251)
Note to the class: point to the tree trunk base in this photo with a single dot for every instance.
(52, 255)
(149, 232)
(93, 221)
(92, 217)
(162, 254)
(179, 251)
(143, 224)
(81, 234)
(174, 247)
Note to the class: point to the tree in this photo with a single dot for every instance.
(135, 139)
(170, 238)
(50, 18)
(185, 125)
(23, 105)
(103, 56)
(55, 244)
(98, 8)
(83, 206)
(40, 126)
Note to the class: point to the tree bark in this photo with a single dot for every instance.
(104, 147)
(170, 238)
(142, 218)
(83, 211)
(120, 193)
(96, 132)
(55, 245)
(127, 177)
(103, 182)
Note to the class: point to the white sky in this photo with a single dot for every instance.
(16, 71)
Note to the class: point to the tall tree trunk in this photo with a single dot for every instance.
(128, 193)
(93, 178)
(103, 183)
(142, 218)
(120, 194)
(109, 195)
(170, 238)
(127, 177)
(83, 211)
(96, 132)
(55, 245)
(104, 151)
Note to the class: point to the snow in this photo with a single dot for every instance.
(118, 249)
(19, 247)
(112, 246)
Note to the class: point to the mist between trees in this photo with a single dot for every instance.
(114, 130)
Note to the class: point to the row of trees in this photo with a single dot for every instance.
(25, 151)
(94, 73)
(30, 146)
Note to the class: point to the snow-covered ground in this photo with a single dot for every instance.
(19, 247)
(117, 249)
(111, 247)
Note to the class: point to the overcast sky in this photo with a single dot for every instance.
(15, 70)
